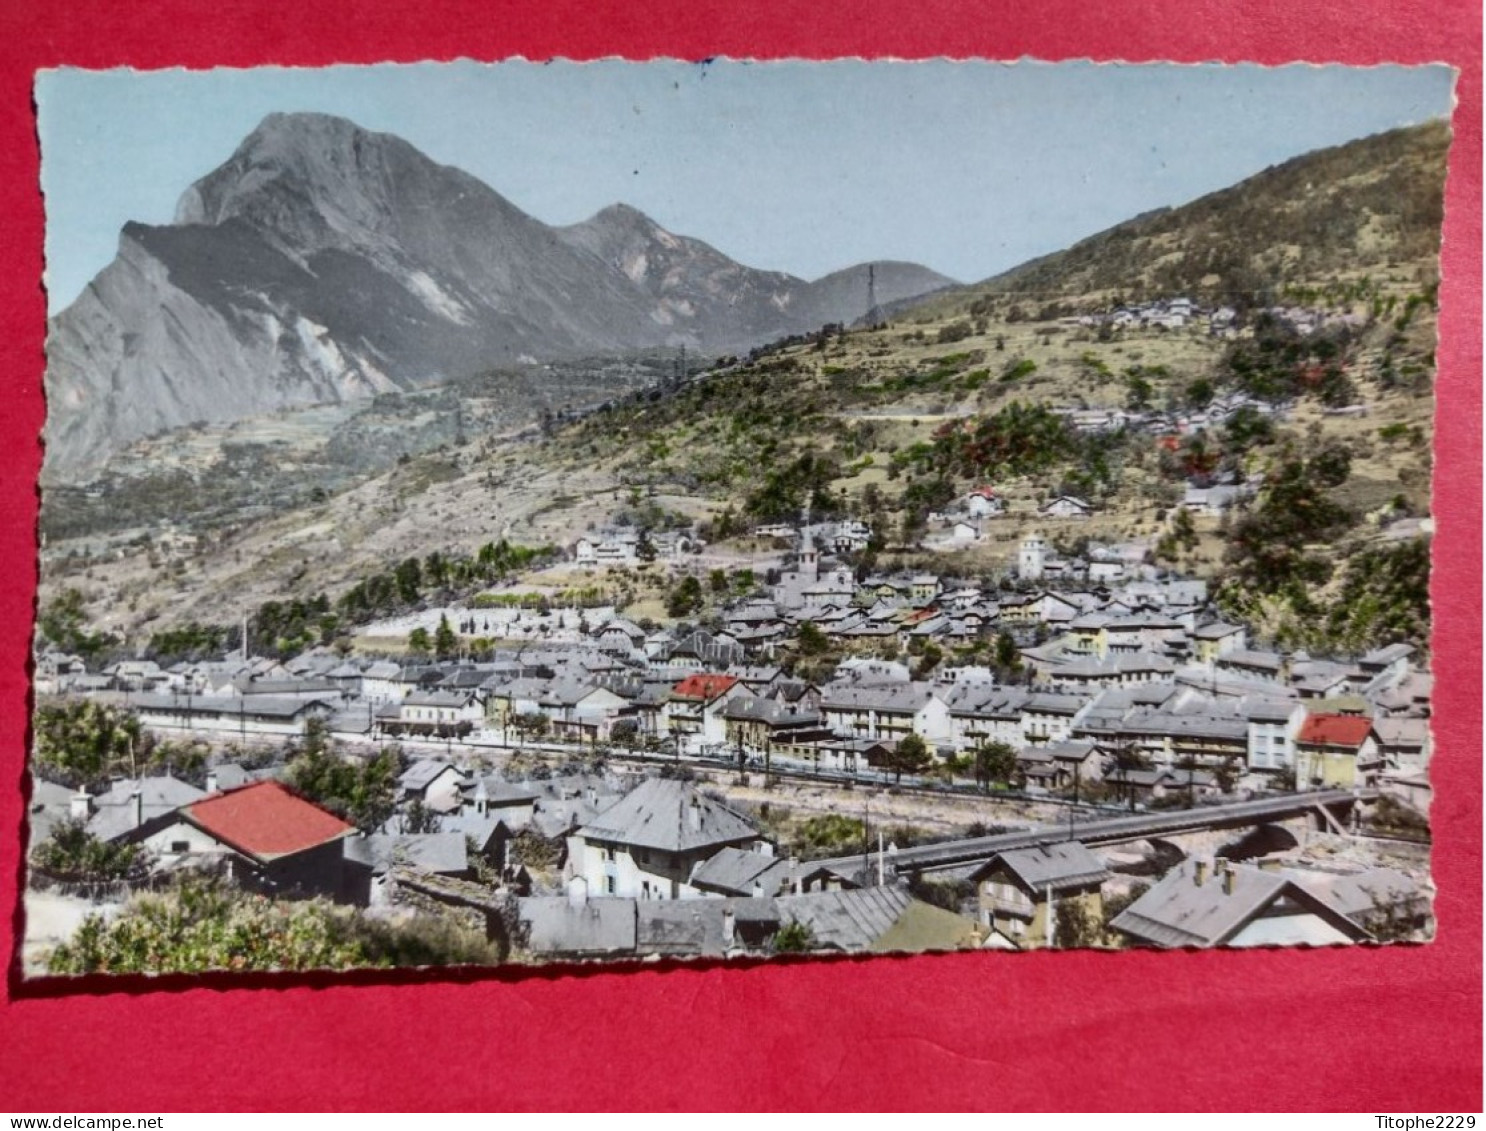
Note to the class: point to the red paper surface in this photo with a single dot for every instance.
(1355, 1029)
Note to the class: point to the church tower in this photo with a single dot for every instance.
(809, 555)
(1030, 560)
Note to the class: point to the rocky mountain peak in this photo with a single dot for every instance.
(294, 166)
(323, 261)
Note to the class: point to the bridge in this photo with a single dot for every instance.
(1329, 807)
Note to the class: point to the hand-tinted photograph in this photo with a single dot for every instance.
(536, 514)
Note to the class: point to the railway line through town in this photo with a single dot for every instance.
(1332, 807)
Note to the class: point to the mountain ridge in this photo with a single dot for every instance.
(323, 261)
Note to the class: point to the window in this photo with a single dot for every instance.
(609, 885)
(180, 846)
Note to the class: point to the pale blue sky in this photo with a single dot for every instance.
(968, 168)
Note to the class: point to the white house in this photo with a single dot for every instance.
(649, 842)
(890, 712)
(983, 502)
(1031, 558)
(1065, 507)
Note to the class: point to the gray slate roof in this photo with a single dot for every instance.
(1068, 864)
(735, 871)
(593, 928)
(114, 815)
(680, 927)
(846, 920)
(1178, 911)
(420, 775)
(668, 815)
(443, 853)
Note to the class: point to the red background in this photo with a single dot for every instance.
(1356, 1029)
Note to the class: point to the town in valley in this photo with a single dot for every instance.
(1085, 606)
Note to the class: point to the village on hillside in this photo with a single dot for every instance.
(1118, 766)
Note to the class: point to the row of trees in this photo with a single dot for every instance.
(444, 576)
(83, 743)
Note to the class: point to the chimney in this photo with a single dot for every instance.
(80, 808)
(1199, 871)
(577, 892)
(694, 816)
(729, 927)
(211, 781)
(591, 795)
(1227, 881)
(136, 800)
(482, 799)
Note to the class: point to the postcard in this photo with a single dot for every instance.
(549, 513)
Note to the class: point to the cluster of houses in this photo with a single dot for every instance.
(1222, 320)
(1103, 419)
(1128, 689)
(1164, 313)
(655, 866)
(1124, 676)
(628, 545)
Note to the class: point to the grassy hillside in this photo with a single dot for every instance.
(1330, 217)
(890, 423)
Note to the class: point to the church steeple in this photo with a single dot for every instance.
(809, 556)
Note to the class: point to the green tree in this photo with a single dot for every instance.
(810, 640)
(409, 578)
(911, 756)
(1077, 925)
(1138, 394)
(1008, 655)
(75, 855)
(419, 643)
(531, 724)
(82, 741)
(63, 621)
(994, 762)
(445, 641)
(364, 793)
(1116, 903)
(419, 818)
(686, 598)
(202, 925)
(794, 938)
(829, 834)
(1184, 530)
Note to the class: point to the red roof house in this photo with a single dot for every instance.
(266, 821)
(706, 686)
(1343, 731)
(269, 838)
(694, 713)
(1336, 752)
